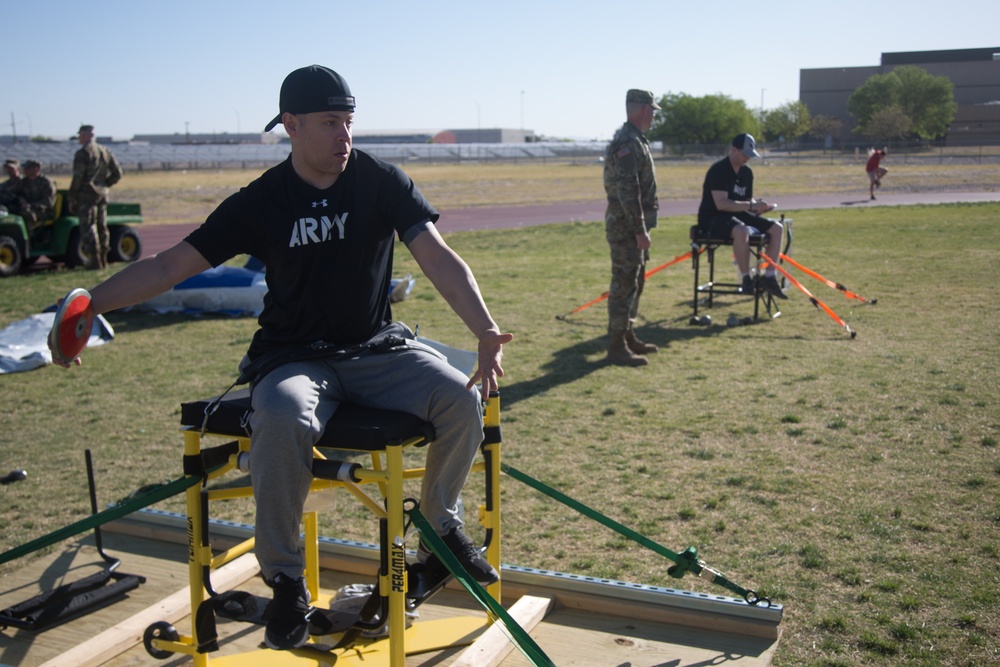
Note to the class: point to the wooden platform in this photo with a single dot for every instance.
(580, 621)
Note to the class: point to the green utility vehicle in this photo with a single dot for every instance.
(59, 238)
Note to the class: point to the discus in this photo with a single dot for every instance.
(72, 325)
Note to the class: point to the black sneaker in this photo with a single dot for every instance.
(770, 284)
(287, 614)
(468, 554)
(747, 287)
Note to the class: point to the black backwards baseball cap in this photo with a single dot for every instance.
(746, 144)
(311, 89)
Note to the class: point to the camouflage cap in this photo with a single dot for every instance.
(85, 128)
(641, 97)
(28, 164)
(12, 162)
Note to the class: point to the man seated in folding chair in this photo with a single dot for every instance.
(323, 223)
(729, 211)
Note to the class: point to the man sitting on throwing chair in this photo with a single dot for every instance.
(728, 211)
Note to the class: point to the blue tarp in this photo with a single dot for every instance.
(228, 290)
(236, 291)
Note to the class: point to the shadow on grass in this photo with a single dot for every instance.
(573, 363)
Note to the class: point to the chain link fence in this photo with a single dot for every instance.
(841, 153)
(58, 157)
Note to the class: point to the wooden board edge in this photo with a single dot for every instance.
(121, 637)
(493, 646)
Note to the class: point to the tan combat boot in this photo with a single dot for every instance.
(637, 346)
(620, 355)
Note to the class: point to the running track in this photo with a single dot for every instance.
(157, 238)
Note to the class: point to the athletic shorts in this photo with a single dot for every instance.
(720, 226)
(876, 174)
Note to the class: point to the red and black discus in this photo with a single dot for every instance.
(72, 325)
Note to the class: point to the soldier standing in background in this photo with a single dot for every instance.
(37, 196)
(630, 183)
(95, 170)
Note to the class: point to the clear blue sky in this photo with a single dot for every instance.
(559, 68)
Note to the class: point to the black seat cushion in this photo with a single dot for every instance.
(352, 426)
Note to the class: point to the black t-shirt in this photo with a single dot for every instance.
(327, 253)
(720, 176)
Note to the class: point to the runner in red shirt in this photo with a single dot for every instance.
(875, 172)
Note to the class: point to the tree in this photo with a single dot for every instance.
(791, 120)
(712, 119)
(888, 124)
(827, 126)
(928, 101)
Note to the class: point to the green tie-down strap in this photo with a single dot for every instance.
(685, 562)
(154, 495)
(535, 655)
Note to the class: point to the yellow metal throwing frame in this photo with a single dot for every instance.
(378, 487)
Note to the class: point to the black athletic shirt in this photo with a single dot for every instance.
(327, 253)
(720, 176)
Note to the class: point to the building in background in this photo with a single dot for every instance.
(974, 73)
(485, 136)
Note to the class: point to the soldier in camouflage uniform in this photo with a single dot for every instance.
(37, 196)
(630, 183)
(94, 169)
(8, 189)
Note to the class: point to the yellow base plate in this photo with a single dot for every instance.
(421, 637)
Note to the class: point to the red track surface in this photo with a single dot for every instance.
(157, 238)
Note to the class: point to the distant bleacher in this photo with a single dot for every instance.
(58, 158)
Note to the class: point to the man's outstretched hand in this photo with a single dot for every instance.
(491, 344)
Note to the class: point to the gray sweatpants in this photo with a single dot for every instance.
(292, 404)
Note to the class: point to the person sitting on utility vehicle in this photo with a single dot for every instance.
(36, 194)
(8, 189)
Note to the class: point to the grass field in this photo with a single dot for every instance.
(856, 482)
(189, 196)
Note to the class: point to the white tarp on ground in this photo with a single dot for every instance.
(24, 344)
(228, 290)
